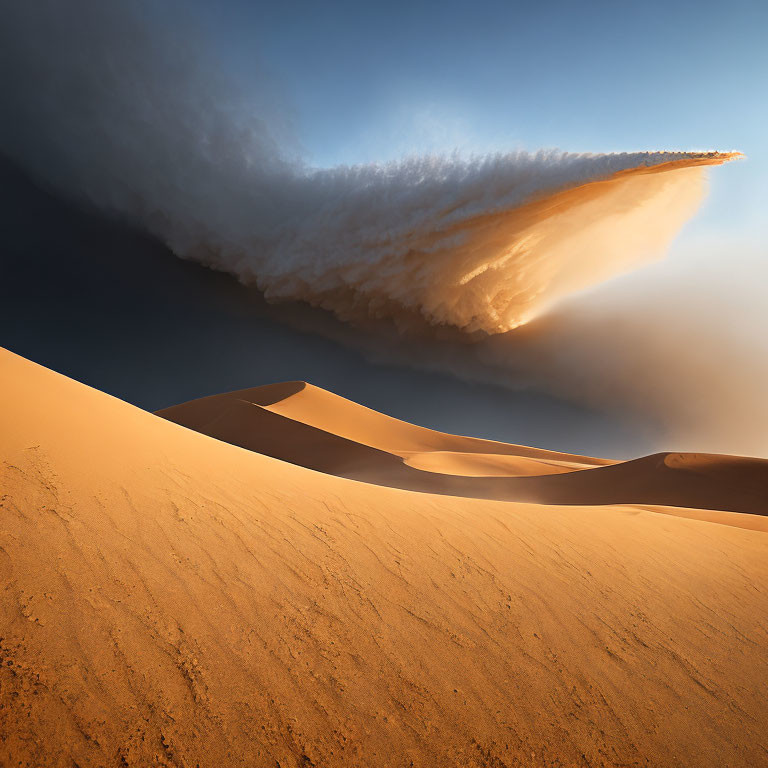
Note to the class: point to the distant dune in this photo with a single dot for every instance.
(169, 599)
(308, 426)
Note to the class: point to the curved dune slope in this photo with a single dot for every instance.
(704, 481)
(485, 464)
(308, 426)
(168, 599)
(376, 445)
(332, 413)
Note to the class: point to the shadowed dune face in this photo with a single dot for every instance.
(704, 481)
(170, 599)
(313, 428)
(274, 435)
(270, 394)
(323, 410)
(321, 431)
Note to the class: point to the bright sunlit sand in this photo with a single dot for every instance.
(172, 599)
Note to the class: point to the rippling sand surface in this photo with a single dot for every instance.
(297, 581)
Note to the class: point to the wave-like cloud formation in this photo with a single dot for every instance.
(113, 110)
(480, 245)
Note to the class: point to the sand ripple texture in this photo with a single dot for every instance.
(172, 600)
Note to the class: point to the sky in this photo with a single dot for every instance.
(367, 82)
(208, 125)
(370, 82)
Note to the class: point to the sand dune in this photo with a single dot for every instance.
(707, 481)
(237, 416)
(308, 426)
(169, 599)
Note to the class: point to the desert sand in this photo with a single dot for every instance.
(172, 599)
(312, 428)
